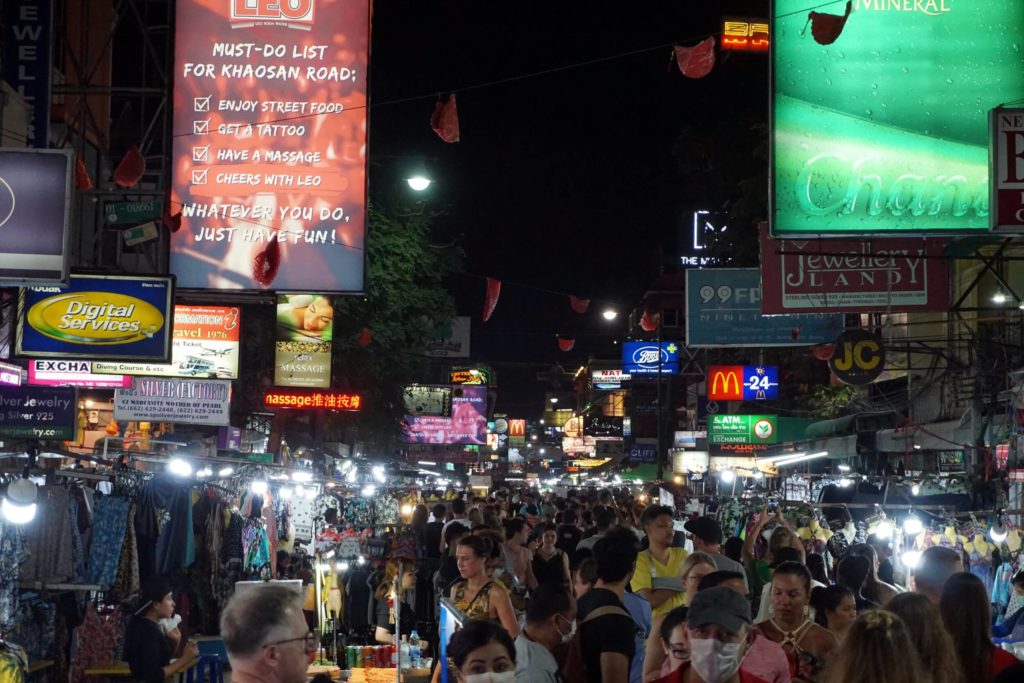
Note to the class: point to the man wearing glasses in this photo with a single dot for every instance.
(266, 636)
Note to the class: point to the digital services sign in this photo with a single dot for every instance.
(37, 412)
(886, 129)
(743, 429)
(270, 131)
(467, 424)
(35, 204)
(743, 383)
(204, 343)
(723, 308)
(650, 358)
(97, 317)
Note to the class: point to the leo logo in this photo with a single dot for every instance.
(291, 13)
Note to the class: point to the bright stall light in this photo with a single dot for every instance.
(302, 476)
(226, 472)
(407, 509)
(285, 492)
(258, 486)
(343, 566)
(361, 560)
(915, 489)
(912, 526)
(845, 483)
(19, 506)
(609, 314)
(300, 491)
(418, 183)
(727, 476)
(844, 468)
(999, 298)
(758, 474)
(998, 532)
(204, 473)
(883, 529)
(369, 491)
(352, 474)
(179, 467)
(378, 473)
(910, 558)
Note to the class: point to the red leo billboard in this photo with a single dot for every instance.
(269, 153)
(883, 274)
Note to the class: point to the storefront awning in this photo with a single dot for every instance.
(934, 436)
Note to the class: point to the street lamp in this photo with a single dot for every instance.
(610, 314)
(554, 399)
(418, 183)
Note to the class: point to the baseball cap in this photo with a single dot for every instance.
(706, 529)
(721, 606)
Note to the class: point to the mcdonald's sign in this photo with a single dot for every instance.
(743, 383)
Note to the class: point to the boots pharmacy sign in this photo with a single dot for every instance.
(886, 129)
(1007, 149)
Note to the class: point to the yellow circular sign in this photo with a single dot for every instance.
(95, 318)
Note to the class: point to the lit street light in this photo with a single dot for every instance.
(418, 183)
(610, 314)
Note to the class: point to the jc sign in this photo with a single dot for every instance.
(859, 357)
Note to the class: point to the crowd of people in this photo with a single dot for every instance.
(597, 588)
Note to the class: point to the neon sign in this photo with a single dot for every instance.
(745, 35)
(743, 383)
(326, 400)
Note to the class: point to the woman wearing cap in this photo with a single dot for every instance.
(147, 647)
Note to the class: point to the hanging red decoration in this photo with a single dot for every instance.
(131, 168)
(82, 179)
(173, 222)
(579, 305)
(826, 27)
(795, 333)
(445, 120)
(823, 351)
(267, 263)
(566, 344)
(365, 337)
(491, 297)
(696, 61)
(649, 322)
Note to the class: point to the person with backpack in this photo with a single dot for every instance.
(606, 631)
(550, 625)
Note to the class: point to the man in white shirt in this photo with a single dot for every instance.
(550, 623)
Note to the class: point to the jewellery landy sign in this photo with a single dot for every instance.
(270, 105)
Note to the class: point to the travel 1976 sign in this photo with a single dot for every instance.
(270, 144)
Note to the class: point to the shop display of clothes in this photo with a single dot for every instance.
(12, 555)
(51, 529)
(110, 520)
(33, 628)
(97, 640)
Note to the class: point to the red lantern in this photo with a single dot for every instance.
(566, 344)
(579, 305)
(445, 120)
(491, 297)
(267, 263)
(365, 337)
(696, 61)
(131, 168)
(82, 179)
(173, 223)
(649, 322)
(823, 351)
(826, 27)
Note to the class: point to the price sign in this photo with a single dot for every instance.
(743, 383)
(37, 412)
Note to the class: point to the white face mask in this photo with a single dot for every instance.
(566, 637)
(491, 677)
(714, 660)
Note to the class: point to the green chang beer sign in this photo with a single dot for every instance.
(886, 129)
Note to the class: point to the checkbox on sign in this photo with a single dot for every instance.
(201, 154)
(201, 127)
(202, 103)
(200, 175)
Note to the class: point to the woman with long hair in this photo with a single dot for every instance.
(876, 650)
(551, 565)
(385, 620)
(834, 608)
(477, 595)
(852, 572)
(875, 590)
(965, 611)
(929, 637)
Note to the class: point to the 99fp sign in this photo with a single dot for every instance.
(859, 357)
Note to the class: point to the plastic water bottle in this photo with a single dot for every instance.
(414, 650)
(403, 653)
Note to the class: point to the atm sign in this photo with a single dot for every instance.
(743, 382)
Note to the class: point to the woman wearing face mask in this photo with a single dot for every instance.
(550, 625)
(718, 635)
(807, 645)
(477, 595)
(482, 652)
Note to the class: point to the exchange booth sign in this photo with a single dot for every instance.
(743, 429)
(37, 412)
(886, 129)
(270, 144)
(859, 357)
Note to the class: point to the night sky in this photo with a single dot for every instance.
(567, 181)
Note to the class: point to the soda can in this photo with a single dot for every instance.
(359, 657)
(350, 657)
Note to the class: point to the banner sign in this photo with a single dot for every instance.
(743, 383)
(421, 399)
(745, 35)
(35, 204)
(885, 130)
(73, 373)
(687, 439)
(602, 425)
(650, 358)
(880, 274)
(37, 413)
(205, 344)
(270, 144)
(315, 400)
(575, 445)
(97, 317)
(609, 379)
(723, 308)
(180, 401)
(10, 375)
(416, 452)
(302, 353)
(742, 429)
(690, 461)
(1007, 162)
(643, 453)
(859, 357)
(455, 345)
(27, 61)
(467, 425)
(473, 376)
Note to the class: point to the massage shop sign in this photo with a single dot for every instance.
(886, 130)
(180, 401)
